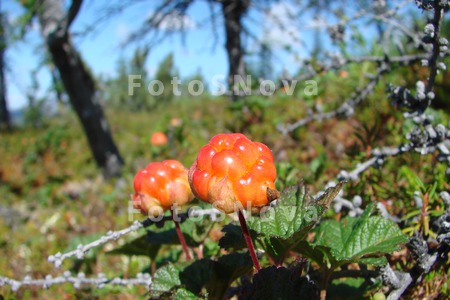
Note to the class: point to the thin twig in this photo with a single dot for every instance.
(58, 258)
(345, 109)
(81, 250)
(429, 144)
(433, 61)
(77, 282)
(101, 280)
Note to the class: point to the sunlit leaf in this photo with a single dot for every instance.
(166, 279)
(354, 240)
(281, 227)
(294, 213)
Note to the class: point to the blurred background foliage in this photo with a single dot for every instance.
(53, 196)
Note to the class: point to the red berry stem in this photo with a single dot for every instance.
(181, 237)
(248, 240)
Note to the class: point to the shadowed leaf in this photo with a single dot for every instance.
(279, 283)
(150, 243)
(213, 276)
(139, 246)
(233, 238)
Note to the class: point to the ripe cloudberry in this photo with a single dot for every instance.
(159, 186)
(232, 173)
(158, 139)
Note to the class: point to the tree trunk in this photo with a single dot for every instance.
(78, 83)
(232, 11)
(5, 119)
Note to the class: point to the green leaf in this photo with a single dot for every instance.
(351, 239)
(169, 237)
(226, 270)
(283, 226)
(139, 246)
(351, 288)
(376, 261)
(419, 183)
(195, 229)
(184, 295)
(166, 279)
(320, 254)
(287, 175)
(214, 276)
(150, 243)
(196, 275)
(232, 238)
(211, 248)
(293, 214)
(280, 283)
(317, 164)
(432, 191)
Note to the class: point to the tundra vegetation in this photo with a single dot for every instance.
(359, 136)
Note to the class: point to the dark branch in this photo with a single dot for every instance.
(73, 12)
(433, 61)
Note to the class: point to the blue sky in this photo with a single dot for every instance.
(101, 48)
